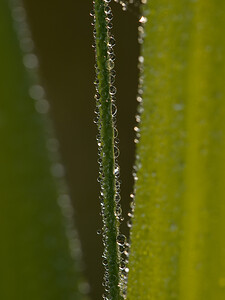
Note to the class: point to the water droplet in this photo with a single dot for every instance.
(30, 61)
(141, 30)
(178, 107)
(99, 231)
(109, 17)
(136, 129)
(137, 118)
(173, 227)
(121, 239)
(52, 144)
(26, 44)
(111, 64)
(143, 20)
(96, 82)
(57, 170)
(115, 133)
(153, 174)
(42, 106)
(95, 120)
(117, 171)
(18, 14)
(36, 92)
(112, 90)
(112, 56)
(141, 59)
(129, 224)
(112, 79)
(139, 99)
(111, 42)
(130, 215)
(124, 6)
(117, 198)
(114, 110)
(116, 152)
(92, 13)
(132, 205)
(97, 96)
(107, 9)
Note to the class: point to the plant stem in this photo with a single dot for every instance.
(108, 166)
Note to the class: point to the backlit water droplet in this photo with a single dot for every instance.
(30, 61)
(42, 106)
(173, 227)
(36, 92)
(121, 238)
(178, 106)
(143, 20)
(57, 170)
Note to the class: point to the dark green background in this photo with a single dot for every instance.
(62, 33)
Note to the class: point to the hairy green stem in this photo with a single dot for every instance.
(105, 92)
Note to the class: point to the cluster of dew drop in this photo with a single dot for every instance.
(37, 93)
(140, 109)
(122, 244)
(127, 4)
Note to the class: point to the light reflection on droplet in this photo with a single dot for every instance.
(30, 61)
(42, 106)
(143, 20)
(36, 92)
(57, 170)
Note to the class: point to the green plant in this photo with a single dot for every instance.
(109, 169)
(38, 260)
(177, 245)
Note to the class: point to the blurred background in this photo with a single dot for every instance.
(63, 37)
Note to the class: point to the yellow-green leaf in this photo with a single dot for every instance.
(177, 239)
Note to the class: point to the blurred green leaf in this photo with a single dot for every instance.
(35, 253)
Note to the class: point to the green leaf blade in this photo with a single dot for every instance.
(36, 259)
(177, 249)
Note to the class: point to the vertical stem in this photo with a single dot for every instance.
(108, 166)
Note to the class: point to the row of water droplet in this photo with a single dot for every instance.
(137, 128)
(37, 94)
(130, 5)
(122, 244)
(126, 4)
